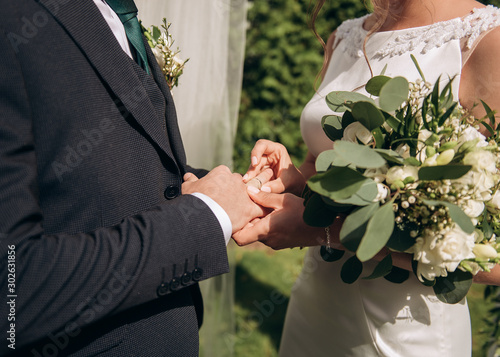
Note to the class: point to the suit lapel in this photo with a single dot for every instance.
(85, 24)
(171, 120)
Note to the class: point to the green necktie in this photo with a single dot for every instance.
(127, 12)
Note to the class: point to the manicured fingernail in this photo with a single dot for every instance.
(245, 177)
(253, 190)
(254, 161)
(266, 189)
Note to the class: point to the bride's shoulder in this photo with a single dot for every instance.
(351, 26)
(350, 30)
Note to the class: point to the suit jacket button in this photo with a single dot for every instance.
(186, 278)
(162, 289)
(171, 192)
(175, 284)
(197, 274)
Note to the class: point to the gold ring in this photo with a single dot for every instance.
(255, 182)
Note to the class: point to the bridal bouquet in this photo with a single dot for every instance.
(161, 42)
(413, 174)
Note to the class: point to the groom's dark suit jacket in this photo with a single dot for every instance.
(107, 251)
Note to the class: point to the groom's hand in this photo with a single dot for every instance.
(284, 227)
(229, 191)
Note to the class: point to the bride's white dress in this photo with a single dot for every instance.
(327, 317)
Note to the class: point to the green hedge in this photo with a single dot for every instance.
(282, 61)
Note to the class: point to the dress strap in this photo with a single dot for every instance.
(468, 49)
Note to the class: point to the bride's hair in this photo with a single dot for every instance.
(381, 10)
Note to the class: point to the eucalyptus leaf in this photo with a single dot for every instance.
(401, 239)
(397, 275)
(331, 255)
(337, 207)
(347, 119)
(317, 213)
(337, 183)
(378, 232)
(444, 172)
(354, 226)
(453, 288)
(340, 101)
(383, 268)
(359, 155)
(456, 214)
(393, 94)
(394, 123)
(351, 270)
(390, 156)
(368, 114)
(375, 84)
(365, 195)
(332, 126)
(328, 158)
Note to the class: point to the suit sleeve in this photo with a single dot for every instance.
(56, 279)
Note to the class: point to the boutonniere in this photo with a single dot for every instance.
(161, 43)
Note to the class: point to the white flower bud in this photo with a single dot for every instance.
(445, 157)
(484, 252)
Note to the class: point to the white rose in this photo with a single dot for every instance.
(470, 134)
(481, 160)
(159, 57)
(438, 254)
(399, 173)
(480, 181)
(357, 131)
(378, 174)
(473, 208)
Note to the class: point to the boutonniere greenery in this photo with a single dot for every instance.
(161, 42)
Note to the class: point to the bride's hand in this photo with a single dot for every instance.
(284, 227)
(286, 177)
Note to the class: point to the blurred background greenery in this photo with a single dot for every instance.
(282, 61)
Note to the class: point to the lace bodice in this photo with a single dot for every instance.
(350, 35)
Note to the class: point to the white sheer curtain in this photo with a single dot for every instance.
(211, 33)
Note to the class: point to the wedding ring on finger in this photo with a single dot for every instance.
(255, 182)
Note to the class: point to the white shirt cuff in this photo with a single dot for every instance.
(224, 221)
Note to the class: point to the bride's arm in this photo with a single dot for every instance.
(480, 78)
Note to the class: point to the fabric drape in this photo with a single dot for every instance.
(211, 33)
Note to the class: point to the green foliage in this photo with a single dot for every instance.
(282, 61)
(283, 58)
